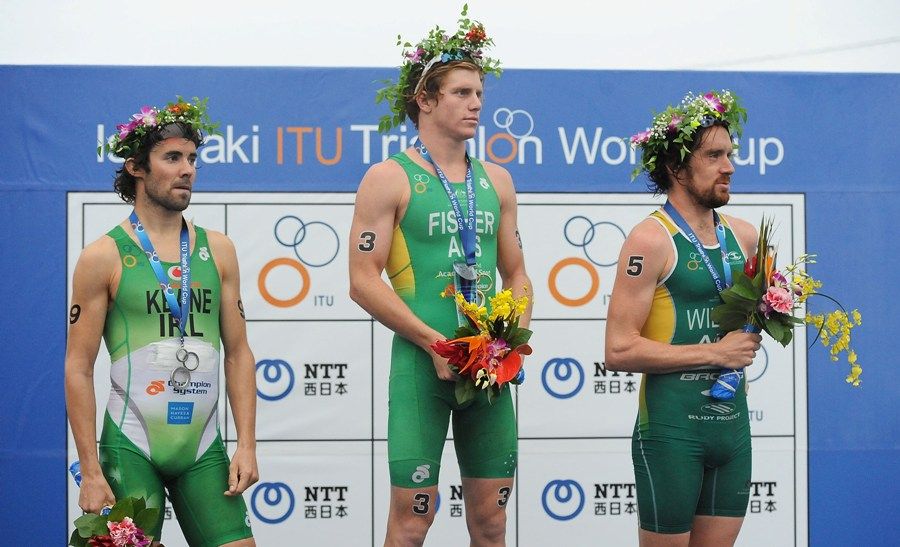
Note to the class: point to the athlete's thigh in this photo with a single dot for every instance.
(726, 488)
(418, 417)
(206, 515)
(715, 531)
(412, 503)
(668, 475)
(485, 438)
(130, 474)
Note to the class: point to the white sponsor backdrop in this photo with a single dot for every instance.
(322, 368)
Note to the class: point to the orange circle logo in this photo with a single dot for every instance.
(287, 302)
(565, 300)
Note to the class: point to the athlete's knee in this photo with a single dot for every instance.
(408, 530)
(488, 529)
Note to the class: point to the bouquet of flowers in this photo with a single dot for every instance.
(487, 351)
(764, 298)
(123, 526)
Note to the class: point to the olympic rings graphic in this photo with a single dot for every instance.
(563, 493)
(272, 494)
(508, 119)
(422, 181)
(287, 302)
(565, 300)
(588, 236)
(693, 263)
(271, 376)
(300, 236)
(563, 370)
(129, 261)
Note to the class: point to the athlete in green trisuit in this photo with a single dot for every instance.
(404, 225)
(160, 430)
(691, 453)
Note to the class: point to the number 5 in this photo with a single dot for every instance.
(635, 265)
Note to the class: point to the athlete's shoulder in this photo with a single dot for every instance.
(218, 242)
(744, 232)
(498, 175)
(99, 259)
(650, 232)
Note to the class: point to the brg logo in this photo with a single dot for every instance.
(563, 499)
(274, 379)
(599, 243)
(315, 245)
(562, 377)
(272, 502)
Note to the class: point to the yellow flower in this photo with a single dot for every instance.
(835, 334)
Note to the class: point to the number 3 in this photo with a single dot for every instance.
(635, 265)
(368, 244)
(421, 507)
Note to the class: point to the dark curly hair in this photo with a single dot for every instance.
(661, 179)
(125, 183)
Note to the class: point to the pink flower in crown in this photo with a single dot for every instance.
(673, 123)
(641, 138)
(779, 299)
(125, 129)
(714, 102)
(146, 117)
(416, 55)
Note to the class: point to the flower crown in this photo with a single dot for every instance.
(676, 125)
(127, 141)
(467, 44)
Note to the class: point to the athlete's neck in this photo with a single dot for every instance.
(446, 151)
(698, 217)
(157, 220)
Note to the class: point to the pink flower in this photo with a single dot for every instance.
(640, 138)
(673, 124)
(126, 534)
(125, 129)
(779, 299)
(778, 279)
(416, 56)
(714, 102)
(147, 116)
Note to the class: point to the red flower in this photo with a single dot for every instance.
(101, 541)
(750, 267)
(476, 34)
(456, 352)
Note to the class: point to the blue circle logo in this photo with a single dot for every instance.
(566, 379)
(277, 502)
(595, 238)
(292, 232)
(559, 500)
(758, 369)
(272, 382)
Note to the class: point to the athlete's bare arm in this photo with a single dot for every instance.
(645, 258)
(96, 274)
(381, 200)
(510, 257)
(240, 366)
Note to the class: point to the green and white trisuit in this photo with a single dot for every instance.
(157, 437)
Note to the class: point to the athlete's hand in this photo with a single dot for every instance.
(95, 494)
(737, 349)
(442, 367)
(243, 471)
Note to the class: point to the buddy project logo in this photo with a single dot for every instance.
(315, 245)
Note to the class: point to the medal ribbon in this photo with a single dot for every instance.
(467, 228)
(721, 284)
(178, 310)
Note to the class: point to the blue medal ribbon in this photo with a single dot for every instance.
(179, 311)
(467, 228)
(729, 380)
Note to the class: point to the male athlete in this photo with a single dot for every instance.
(691, 465)
(432, 216)
(163, 293)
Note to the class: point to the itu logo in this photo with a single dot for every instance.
(562, 377)
(315, 244)
(600, 243)
(274, 379)
(272, 502)
(563, 499)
